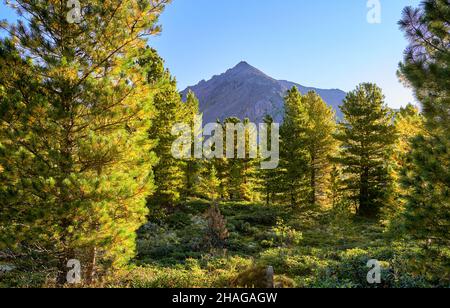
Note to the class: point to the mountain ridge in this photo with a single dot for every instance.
(246, 92)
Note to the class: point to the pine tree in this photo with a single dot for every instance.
(210, 184)
(335, 195)
(223, 173)
(321, 146)
(409, 123)
(294, 157)
(193, 165)
(75, 108)
(367, 135)
(269, 177)
(426, 68)
(169, 171)
(223, 168)
(250, 184)
(239, 173)
(233, 166)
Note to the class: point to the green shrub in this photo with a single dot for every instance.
(282, 236)
(294, 263)
(25, 279)
(193, 273)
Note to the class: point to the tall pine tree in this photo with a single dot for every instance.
(75, 108)
(294, 156)
(242, 171)
(269, 178)
(169, 171)
(193, 165)
(426, 68)
(409, 123)
(321, 146)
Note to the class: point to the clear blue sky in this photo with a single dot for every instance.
(320, 43)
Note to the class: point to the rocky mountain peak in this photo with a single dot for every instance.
(246, 92)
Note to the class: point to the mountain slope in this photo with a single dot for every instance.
(246, 92)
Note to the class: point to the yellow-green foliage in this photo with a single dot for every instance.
(217, 273)
(74, 131)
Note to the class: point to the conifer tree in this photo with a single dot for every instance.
(223, 168)
(75, 108)
(426, 68)
(250, 185)
(223, 174)
(193, 165)
(321, 146)
(169, 171)
(294, 157)
(335, 195)
(233, 167)
(409, 124)
(242, 171)
(367, 135)
(269, 177)
(210, 184)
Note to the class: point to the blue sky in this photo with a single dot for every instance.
(320, 43)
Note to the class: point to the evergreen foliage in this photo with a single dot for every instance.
(426, 68)
(294, 157)
(409, 123)
(75, 106)
(193, 165)
(269, 177)
(367, 136)
(321, 146)
(169, 171)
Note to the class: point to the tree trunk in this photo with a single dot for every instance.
(63, 270)
(313, 181)
(364, 202)
(189, 181)
(293, 203)
(91, 271)
(61, 278)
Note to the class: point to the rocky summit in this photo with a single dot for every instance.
(246, 92)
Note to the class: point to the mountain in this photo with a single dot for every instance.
(246, 92)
